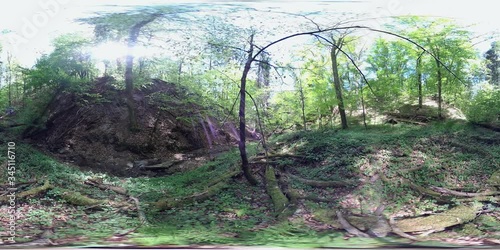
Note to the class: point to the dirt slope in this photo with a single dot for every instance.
(92, 130)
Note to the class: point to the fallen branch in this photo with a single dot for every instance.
(29, 193)
(277, 156)
(17, 184)
(438, 196)
(98, 184)
(175, 202)
(322, 184)
(163, 165)
(77, 199)
(463, 194)
(349, 228)
(140, 212)
(398, 231)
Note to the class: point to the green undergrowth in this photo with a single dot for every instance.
(449, 154)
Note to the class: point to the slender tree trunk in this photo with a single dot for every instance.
(242, 143)
(338, 87)
(363, 105)
(9, 77)
(303, 106)
(129, 90)
(440, 87)
(179, 71)
(419, 80)
(129, 66)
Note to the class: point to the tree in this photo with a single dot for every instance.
(334, 50)
(450, 48)
(493, 63)
(129, 25)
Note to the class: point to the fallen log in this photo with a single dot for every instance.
(446, 191)
(77, 199)
(98, 184)
(322, 184)
(213, 188)
(163, 165)
(29, 193)
(176, 202)
(436, 222)
(348, 227)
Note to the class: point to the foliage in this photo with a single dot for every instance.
(493, 63)
(484, 106)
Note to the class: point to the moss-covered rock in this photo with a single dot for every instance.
(455, 216)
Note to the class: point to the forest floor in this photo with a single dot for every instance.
(87, 208)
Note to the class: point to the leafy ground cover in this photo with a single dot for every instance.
(452, 154)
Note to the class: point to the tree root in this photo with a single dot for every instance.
(445, 195)
(280, 201)
(100, 185)
(213, 188)
(29, 193)
(398, 231)
(322, 184)
(77, 199)
(463, 194)
(140, 213)
(176, 202)
(349, 228)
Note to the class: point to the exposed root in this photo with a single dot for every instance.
(280, 201)
(77, 199)
(29, 193)
(100, 185)
(142, 216)
(349, 228)
(176, 202)
(323, 184)
(463, 194)
(398, 231)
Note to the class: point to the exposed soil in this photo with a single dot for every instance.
(92, 131)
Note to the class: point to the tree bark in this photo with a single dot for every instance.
(129, 66)
(419, 80)
(338, 86)
(245, 167)
(440, 87)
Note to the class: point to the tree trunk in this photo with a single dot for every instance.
(242, 143)
(440, 87)
(129, 66)
(338, 87)
(303, 106)
(419, 80)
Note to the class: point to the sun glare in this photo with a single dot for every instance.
(109, 51)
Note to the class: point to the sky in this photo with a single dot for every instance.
(32, 24)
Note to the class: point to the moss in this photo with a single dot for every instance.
(32, 192)
(488, 222)
(494, 180)
(280, 202)
(470, 229)
(180, 201)
(454, 216)
(77, 199)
